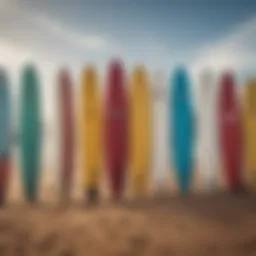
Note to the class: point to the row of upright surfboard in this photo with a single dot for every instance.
(119, 131)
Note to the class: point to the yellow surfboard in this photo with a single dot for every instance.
(249, 114)
(90, 131)
(140, 131)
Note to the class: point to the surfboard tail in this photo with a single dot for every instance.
(235, 180)
(65, 192)
(30, 185)
(184, 173)
(92, 194)
(184, 179)
(251, 179)
(184, 185)
(117, 183)
(66, 181)
(31, 193)
(211, 183)
(139, 184)
(91, 176)
(4, 177)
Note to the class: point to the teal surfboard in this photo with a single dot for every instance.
(182, 128)
(5, 128)
(30, 131)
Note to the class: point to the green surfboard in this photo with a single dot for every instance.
(30, 131)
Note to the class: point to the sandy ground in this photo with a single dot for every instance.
(221, 224)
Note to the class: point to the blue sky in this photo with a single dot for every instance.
(159, 33)
(164, 19)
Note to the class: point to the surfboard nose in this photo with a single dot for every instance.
(180, 71)
(139, 75)
(115, 71)
(228, 80)
(89, 75)
(250, 93)
(252, 84)
(180, 77)
(29, 75)
(228, 88)
(206, 79)
(29, 70)
(64, 75)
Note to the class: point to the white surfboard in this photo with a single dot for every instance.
(160, 141)
(207, 130)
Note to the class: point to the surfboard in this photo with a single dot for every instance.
(182, 128)
(116, 128)
(230, 131)
(207, 130)
(249, 133)
(5, 126)
(159, 132)
(30, 143)
(66, 146)
(90, 131)
(140, 131)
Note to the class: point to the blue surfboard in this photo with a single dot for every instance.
(4, 133)
(30, 131)
(182, 128)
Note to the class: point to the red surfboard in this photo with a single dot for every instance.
(230, 131)
(4, 179)
(116, 119)
(66, 133)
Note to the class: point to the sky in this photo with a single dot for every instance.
(158, 33)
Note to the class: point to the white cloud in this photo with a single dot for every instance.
(235, 51)
(11, 55)
(46, 35)
(89, 42)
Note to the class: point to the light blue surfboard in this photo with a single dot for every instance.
(4, 114)
(182, 128)
(5, 133)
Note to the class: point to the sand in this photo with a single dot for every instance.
(221, 224)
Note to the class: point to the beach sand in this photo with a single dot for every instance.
(220, 224)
